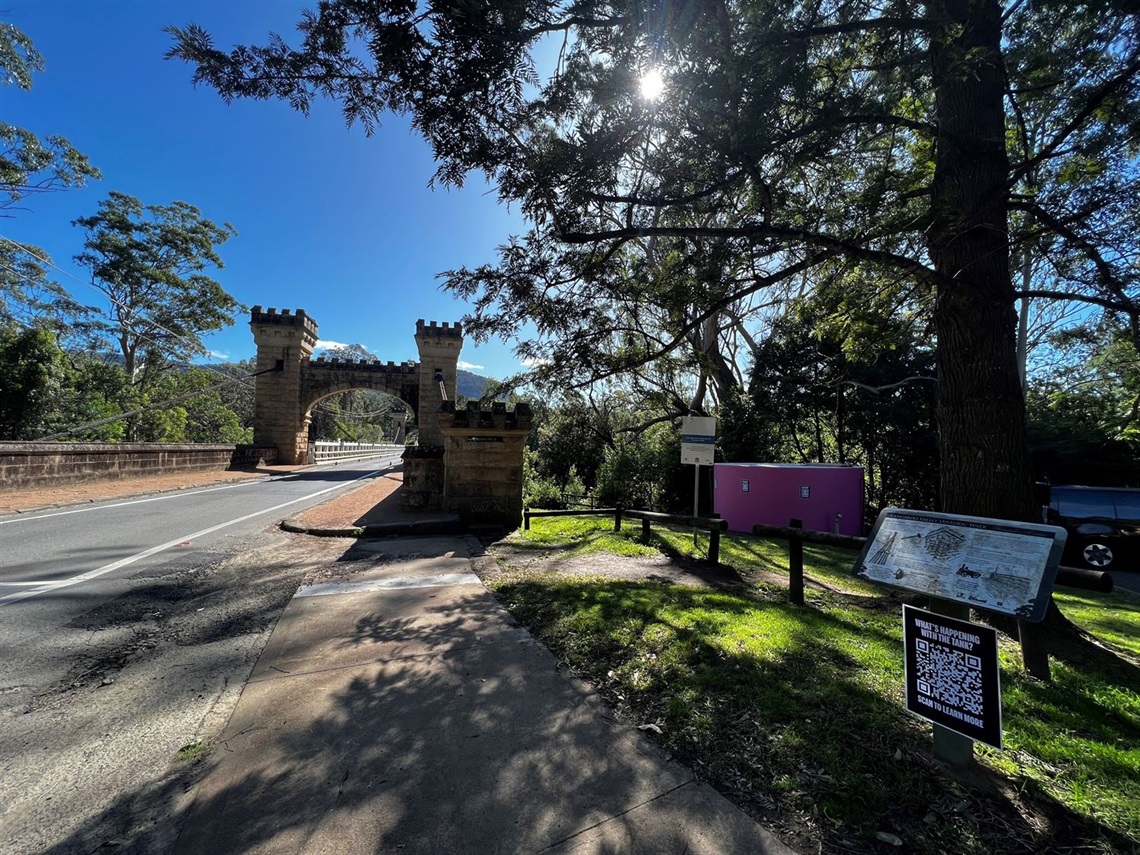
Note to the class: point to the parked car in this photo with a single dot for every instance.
(1103, 525)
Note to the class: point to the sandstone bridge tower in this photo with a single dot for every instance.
(468, 461)
(285, 344)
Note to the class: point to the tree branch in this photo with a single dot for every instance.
(859, 27)
(662, 201)
(1095, 101)
(834, 245)
(668, 417)
(1126, 306)
(1107, 275)
(573, 21)
(878, 390)
(682, 335)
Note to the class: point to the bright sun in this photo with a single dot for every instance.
(652, 84)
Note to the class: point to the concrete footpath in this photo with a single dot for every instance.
(403, 711)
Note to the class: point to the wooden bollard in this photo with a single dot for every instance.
(526, 520)
(714, 547)
(617, 518)
(645, 528)
(796, 566)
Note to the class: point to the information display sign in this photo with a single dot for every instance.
(698, 440)
(999, 565)
(952, 676)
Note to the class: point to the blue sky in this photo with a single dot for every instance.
(328, 220)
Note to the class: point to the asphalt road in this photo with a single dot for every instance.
(127, 630)
(43, 554)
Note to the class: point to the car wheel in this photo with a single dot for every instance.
(1097, 555)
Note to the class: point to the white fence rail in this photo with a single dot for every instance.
(327, 452)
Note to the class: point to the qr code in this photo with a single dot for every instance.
(950, 676)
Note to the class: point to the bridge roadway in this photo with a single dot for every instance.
(128, 627)
(64, 556)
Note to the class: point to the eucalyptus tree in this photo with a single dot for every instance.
(678, 158)
(150, 262)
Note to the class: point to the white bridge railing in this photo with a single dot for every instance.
(326, 452)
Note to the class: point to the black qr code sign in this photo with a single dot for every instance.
(952, 676)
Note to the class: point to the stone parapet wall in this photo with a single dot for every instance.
(35, 464)
(483, 460)
(367, 365)
(496, 418)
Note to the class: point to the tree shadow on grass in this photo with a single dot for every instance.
(796, 727)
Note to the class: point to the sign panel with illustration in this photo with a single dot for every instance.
(952, 676)
(999, 565)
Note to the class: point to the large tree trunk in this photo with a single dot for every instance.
(981, 412)
(985, 464)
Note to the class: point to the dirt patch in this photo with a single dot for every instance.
(672, 570)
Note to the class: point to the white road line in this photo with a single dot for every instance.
(154, 550)
(31, 516)
(86, 508)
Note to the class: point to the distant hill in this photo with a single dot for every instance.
(349, 353)
(471, 385)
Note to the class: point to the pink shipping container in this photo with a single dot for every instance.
(826, 496)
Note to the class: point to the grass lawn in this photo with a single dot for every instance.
(797, 712)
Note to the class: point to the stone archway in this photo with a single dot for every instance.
(290, 381)
(468, 460)
(388, 422)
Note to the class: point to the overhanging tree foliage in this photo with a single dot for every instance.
(792, 138)
(29, 164)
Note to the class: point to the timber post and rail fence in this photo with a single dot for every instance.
(713, 525)
(1071, 577)
(795, 535)
(1033, 644)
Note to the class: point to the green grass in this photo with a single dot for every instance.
(581, 535)
(1114, 618)
(193, 751)
(799, 710)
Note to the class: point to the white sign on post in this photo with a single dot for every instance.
(698, 440)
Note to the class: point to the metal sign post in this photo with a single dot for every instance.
(698, 446)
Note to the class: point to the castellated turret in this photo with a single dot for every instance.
(439, 346)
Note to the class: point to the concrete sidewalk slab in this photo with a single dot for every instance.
(422, 720)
